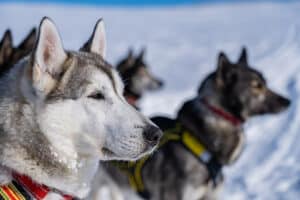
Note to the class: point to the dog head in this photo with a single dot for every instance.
(77, 97)
(244, 91)
(136, 74)
(10, 55)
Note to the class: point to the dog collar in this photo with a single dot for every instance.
(222, 113)
(131, 99)
(24, 188)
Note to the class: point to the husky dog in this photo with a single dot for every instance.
(213, 119)
(137, 77)
(62, 112)
(10, 55)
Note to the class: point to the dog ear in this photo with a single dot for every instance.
(142, 54)
(130, 59)
(223, 61)
(28, 43)
(6, 47)
(48, 57)
(97, 42)
(130, 54)
(243, 57)
(224, 68)
(127, 62)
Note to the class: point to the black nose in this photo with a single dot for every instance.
(284, 102)
(152, 134)
(160, 83)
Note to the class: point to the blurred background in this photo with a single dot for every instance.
(182, 40)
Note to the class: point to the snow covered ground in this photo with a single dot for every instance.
(182, 45)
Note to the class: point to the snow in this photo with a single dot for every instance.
(182, 45)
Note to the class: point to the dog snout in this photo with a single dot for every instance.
(277, 103)
(152, 134)
(284, 102)
(160, 83)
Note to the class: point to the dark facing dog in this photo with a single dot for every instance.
(137, 77)
(206, 135)
(10, 55)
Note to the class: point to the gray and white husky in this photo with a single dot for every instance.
(63, 111)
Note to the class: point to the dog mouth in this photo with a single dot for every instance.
(108, 153)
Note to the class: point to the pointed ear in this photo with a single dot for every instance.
(224, 68)
(48, 57)
(127, 62)
(222, 60)
(243, 57)
(97, 42)
(130, 54)
(6, 46)
(130, 58)
(142, 54)
(28, 43)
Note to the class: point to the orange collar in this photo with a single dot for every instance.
(222, 113)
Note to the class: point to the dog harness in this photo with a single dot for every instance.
(24, 188)
(178, 135)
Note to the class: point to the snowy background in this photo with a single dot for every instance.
(182, 46)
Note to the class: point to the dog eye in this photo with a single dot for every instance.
(97, 96)
(256, 84)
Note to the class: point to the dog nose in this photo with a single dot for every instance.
(160, 83)
(152, 134)
(284, 102)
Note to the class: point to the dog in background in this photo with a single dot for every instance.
(62, 112)
(10, 55)
(137, 77)
(206, 135)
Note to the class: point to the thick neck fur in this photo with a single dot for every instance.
(219, 135)
(215, 95)
(25, 149)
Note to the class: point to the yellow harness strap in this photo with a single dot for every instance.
(195, 147)
(135, 176)
(190, 142)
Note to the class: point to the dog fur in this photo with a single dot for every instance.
(173, 172)
(63, 111)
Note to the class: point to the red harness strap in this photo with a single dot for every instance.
(222, 113)
(38, 191)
